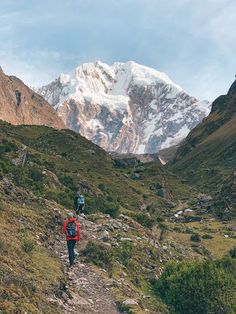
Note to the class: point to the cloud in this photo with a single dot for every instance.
(33, 68)
(193, 41)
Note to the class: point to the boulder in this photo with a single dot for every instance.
(130, 302)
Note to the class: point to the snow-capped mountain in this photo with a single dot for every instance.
(125, 107)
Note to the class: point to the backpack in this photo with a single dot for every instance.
(81, 199)
(71, 230)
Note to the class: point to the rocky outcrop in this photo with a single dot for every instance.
(21, 105)
(126, 107)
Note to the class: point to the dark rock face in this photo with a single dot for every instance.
(18, 97)
(126, 107)
(232, 90)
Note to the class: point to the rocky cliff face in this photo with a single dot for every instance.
(20, 105)
(126, 107)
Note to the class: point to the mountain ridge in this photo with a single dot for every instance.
(207, 156)
(125, 107)
(21, 105)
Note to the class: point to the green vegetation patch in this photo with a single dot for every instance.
(199, 287)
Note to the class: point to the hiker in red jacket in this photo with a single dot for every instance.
(72, 231)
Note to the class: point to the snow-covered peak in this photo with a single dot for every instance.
(144, 75)
(124, 107)
(114, 79)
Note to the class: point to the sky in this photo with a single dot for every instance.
(193, 41)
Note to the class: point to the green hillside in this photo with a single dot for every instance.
(58, 163)
(207, 158)
(41, 169)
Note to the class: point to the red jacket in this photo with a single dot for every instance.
(77, 238)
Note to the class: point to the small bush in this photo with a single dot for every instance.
(28, 246)
(123, 308)
(124, 252)
(35, 174)
(195, 237)
(189, 230)
(64, 198)
(163, 230)
(112, 209)
(100, 204)
(145, 220)
(6, 146)
(232, 252)
(207, 236)
(110, 198)
(178, 229)
(102, 187)
(98, 254)
(50, 165)
(68, 182)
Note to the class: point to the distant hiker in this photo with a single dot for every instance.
(72, 231)
(79, 203)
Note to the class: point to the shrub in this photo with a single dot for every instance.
(207, 236)
(6, 146)
(199, 287)
(123, 308)
(28, 246)
(232, 252)
(50, 165)
(98, 254)
(35, 174)
(124, 252)
(63, 198)
(100, 204)
(195, 237)
(112, 209)
(163, 230)
(145, 220)
(68, 182)
(94, 204)
(110, 198)
(102, 187)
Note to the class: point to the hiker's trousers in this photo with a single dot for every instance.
(80, 209)
(71, 253)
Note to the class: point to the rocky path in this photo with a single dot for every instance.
(86, 292)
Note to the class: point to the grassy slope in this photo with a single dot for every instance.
(214, 155)
(71, 163)
(207, 158)
(59, 163)
(29, 272)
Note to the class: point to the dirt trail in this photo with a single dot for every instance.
(86, 293)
